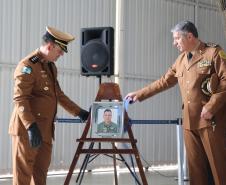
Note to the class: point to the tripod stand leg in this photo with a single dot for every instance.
(132, 173)
(84, 165)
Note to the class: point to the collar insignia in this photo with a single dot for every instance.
(34, 59)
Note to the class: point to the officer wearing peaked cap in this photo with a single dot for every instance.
(36, 95)
(58, 37)
(200, 71)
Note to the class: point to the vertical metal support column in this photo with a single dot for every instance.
(180, 147)
(185, 165)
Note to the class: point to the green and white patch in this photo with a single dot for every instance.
(26, 70)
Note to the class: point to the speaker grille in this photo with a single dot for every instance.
(95, 56)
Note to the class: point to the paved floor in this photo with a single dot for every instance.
(107, 178)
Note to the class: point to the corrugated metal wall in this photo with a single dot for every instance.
(145, 52)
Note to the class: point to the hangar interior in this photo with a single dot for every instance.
(143, 51)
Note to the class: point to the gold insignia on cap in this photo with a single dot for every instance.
(21, 109)
(46, 88)
(204, 63)
(222, 54)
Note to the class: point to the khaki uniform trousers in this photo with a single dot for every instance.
(30, 166)
(206, 152)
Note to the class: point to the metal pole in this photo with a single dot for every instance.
(180, 152)
(185, 166)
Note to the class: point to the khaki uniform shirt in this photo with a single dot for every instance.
(107, 128)
(36, 94)
(207, 60)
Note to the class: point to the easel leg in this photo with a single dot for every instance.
(73, 164)
(114, 162)
(77, 154)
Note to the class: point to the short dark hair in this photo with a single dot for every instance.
(185, 27)
(47, 39)
(107, 110)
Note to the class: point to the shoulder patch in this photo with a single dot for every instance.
(209, 44)
(34, 59)
(222, 54)
(26, 70)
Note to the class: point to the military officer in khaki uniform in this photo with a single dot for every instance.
(200, 71)
(107, 126)
(36, 95)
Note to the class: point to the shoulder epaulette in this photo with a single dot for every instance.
(34, 59)
(209, 44)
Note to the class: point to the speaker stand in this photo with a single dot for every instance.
(99, 80)
(107, 91)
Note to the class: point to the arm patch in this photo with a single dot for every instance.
(26, 70)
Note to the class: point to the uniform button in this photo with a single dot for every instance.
(188, 71)
(39, 114)
(46, 88)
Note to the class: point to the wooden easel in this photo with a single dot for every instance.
(107, 91)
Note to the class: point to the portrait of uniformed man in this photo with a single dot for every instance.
(107, 125)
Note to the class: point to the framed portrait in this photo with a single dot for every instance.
(107, 119)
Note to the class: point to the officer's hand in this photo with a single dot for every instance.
(83, 115)
(205, 114)
(131, 97)
(34, 135)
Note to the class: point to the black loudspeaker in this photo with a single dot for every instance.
(97, 51)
